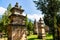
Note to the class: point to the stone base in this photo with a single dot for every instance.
(42, 37)
(39, 37)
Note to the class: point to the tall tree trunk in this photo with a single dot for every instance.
(55, 26)
(53, 34)
(58, 34)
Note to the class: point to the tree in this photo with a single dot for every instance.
(49, 8)
(30, 26)
(9, 7)
(1, 25)
(58, 19)
(5, 19)
(26, 21)
(49, 22)
(5, 16)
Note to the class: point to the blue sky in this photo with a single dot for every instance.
(27, 5)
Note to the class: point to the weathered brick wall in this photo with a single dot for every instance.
(19, 34)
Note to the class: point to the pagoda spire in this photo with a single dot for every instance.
(34, 21)
(16, 5)
(40, 19)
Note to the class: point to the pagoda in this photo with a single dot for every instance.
(17, 28)
(41, 30)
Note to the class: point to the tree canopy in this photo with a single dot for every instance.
(5, 20)
(49, 8)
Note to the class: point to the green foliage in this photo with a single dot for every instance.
(1, 26)
(49, 8)
(5, 16)
(9, 7)
(58, 19)
(5, 20)
(26, 21)
(30, 25)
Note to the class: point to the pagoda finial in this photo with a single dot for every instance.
(16, 5)
(35, 21)
(40, 19)
(20, 7)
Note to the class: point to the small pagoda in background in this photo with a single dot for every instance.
(41, 29)
(17, 28)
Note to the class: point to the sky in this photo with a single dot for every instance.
(28, 6)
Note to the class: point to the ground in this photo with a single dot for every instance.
(35, 37)
(32, 37)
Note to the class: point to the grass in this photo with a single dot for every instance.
(35, 37)
(32, 37)
(49, 36)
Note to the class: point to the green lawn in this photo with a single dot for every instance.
(32, 37)
(35, 37)
(49, 36)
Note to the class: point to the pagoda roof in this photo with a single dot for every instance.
(17, 15)
(17, 8)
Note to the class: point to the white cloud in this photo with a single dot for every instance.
(34, 16)
(24, 14)
(2, 10)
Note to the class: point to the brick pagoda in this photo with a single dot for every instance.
(17, 28)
